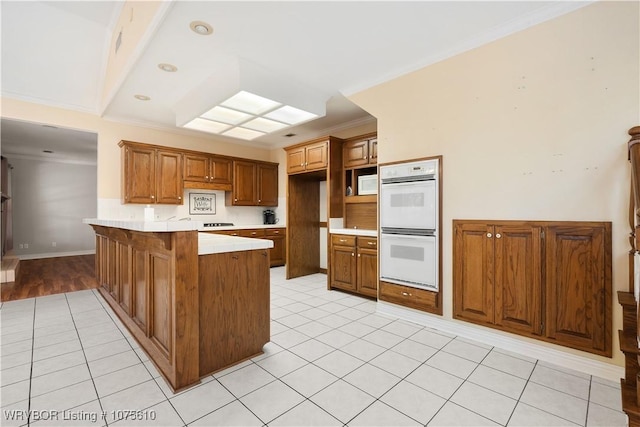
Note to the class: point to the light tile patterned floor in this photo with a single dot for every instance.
(332, 361)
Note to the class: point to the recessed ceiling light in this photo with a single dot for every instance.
(141, 97)
(201, 28)
(169, 68)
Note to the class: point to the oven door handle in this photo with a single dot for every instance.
(407, 236)
(405, 183)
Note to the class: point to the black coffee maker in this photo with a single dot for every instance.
(269, 216)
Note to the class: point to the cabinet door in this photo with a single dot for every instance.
(277, 252)
(473, 272)
(356, 153)
(140, 283)
(139, 175)
(373, 151)
(221, 171)
(316, 156)
(295, 160)
(343, 267)
(169, 182)
(244, 183)
(162, 303)
(518, 278)
(267, 185)
(196, 168)
(367, 272)
(578, 287)
(124, 277)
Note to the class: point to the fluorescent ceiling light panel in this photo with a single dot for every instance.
(243, 133)
(290, 115)
(207, 125)
(250, 103)
(226, 115)
(264, 125)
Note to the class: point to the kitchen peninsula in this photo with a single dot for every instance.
(195, 302)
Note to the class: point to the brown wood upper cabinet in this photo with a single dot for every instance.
(308, 157)
(360, 152)
(254, 184)
(151, 175)
(546, 280)
(202, 171)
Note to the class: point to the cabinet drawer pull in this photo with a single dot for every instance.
(489, 235)
(259, 200)
(406, 294)
(276, 232)
(153, 197)
(234, 256)
(371, 243)
(498, 235)
(342, 240)
(253, 233)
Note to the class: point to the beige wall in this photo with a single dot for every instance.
(532, 126)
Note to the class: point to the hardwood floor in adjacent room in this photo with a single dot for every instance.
(48, 276)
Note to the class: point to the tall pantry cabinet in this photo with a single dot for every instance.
(546, 280)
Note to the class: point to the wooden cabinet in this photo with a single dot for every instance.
(208, 172)
(578, 286)
(354, 264)
(151, 175)
(360, 152)
(254, 184)
(343, 262)
(308, 157)
(407, 296)
(546, 280)
(367, 266)
(277, 253)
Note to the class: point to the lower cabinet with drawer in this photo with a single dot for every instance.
(354, 264)
(277, 254)
(407, 296)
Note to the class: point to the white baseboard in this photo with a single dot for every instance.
(55, 254)
(485, 335)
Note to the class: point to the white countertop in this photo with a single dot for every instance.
(149, 226)
(207, 243)
(160, 226)
(220, 243)
(354, 232)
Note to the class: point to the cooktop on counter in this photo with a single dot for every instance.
(217, 224)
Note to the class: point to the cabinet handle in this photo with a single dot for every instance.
(179, 197)
(489, 235)
(406, 294)
(352, 254)
(301, 164)
(306, 163)
(498, 235)
(364, 158)
(234, 256)
(276, 232)
(259, 200)
(253, 233)
(358, 255)
(153, 197)
(235, 200)
(206, 177)
(371, 243)
(342, 240)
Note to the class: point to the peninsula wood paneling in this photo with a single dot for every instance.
(236, 324)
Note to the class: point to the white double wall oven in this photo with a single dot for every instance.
(409, 223)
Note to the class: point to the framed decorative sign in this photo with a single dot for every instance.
(202, 204)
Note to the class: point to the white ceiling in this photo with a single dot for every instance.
(55, 52)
